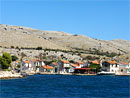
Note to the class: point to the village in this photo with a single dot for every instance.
(43, 63)
(84, 68)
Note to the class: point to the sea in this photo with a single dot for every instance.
(66, 86)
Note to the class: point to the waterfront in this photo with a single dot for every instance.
(66, 86)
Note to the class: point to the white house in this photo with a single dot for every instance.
(124, 68)
(26, 66)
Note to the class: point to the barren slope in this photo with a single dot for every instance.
(18, 36)
(28, 37)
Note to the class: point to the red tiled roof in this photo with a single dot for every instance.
(95, 62)
(75, 65)
(54, 63)
(39, 60)
(64, 61)
(83, 68)
(124, 63)
(26, 62)
(34, 60)
(112, 62)
(47, 67)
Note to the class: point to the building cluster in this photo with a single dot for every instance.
(65, 67)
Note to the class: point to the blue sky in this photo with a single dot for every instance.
(101, 19)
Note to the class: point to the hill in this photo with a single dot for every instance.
(29, 37)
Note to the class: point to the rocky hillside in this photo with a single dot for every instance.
(28, 37)
(24, 37)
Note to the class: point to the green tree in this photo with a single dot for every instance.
(12, 46)
(14, 58)
(44, 57)
(39, 48)
(71, 61)
(97, 66)
(0, 62)
(5, 60)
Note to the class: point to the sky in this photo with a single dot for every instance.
(101, 19)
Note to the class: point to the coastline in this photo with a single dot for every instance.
(9, 75)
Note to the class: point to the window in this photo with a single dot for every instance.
(121, 70)
(116, 65)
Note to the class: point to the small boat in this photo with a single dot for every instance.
(105, 73)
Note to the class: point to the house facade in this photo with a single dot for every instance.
(63, 66)
(109, 66)
(80, 64)
(54, 65)
(45, 68)
(124, 68)
(27, 67)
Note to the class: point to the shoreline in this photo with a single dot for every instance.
(9, 75)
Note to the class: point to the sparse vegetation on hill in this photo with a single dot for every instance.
(17, 37)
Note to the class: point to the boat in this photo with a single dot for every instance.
(105, 73)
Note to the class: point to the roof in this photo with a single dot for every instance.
(112, 62)
(39, 60)
(34, 60)
(124, 63)
(47, 67)
(54, 63)
(95, 62)
(26, 62)
(83, 68)
(64, 61)
(74, 65)
(80, 62)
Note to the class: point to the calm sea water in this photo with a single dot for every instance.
(66, 86)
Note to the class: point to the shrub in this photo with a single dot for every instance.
(44, 57)
(17, 47)
(12, 46)
(14, 58)
(97, 66)
(71, 61)
(5, 60)
(39, 48)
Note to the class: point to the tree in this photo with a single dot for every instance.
(17, 47)
(97, 66)
(39, 48)
(89, 57)
(5, 60)
(71, 61)
(12, 46)
(0, 62)
(14, 58)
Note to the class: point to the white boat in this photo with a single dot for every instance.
(105, 73)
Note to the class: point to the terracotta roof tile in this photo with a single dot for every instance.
(26, 62)
(95, 62)
(54, 63)
(124, 63)
(112, 62)
(34, 60)
(74, 65)
(47, 67)
(64, 61)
